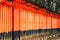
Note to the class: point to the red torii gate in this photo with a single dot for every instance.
(21, 16)
(17, 10)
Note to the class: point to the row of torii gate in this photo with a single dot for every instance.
(18, 15)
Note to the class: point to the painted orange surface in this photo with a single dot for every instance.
(5, 19)
(27, 18)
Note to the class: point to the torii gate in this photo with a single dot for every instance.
(25, 16)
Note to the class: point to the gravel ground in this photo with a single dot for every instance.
(39, 38)
(35, 37)
(43, 37)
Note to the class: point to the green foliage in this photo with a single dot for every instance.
(53, 5)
